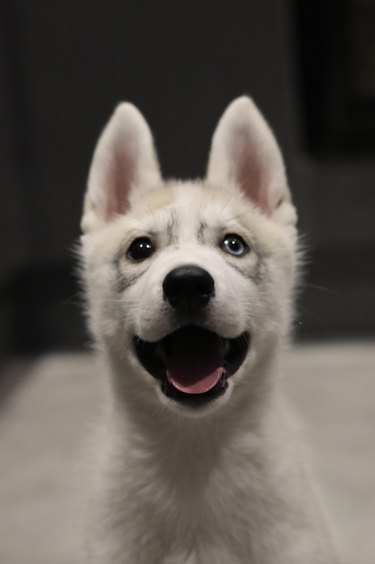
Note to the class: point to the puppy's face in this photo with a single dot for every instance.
(188, 283)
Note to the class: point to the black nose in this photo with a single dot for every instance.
(188, 287)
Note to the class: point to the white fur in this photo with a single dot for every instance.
(224, 484)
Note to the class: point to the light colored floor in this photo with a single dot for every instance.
(46, 422)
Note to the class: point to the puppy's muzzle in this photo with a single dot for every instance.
(188, 288)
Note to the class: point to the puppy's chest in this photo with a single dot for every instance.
(195, 530)
(198, 505)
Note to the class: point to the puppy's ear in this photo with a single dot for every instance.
(244, 151)
(124, 165)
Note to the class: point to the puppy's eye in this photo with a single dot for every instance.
(234, 245)
(140, 249)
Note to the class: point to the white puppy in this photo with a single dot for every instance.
(190, 290)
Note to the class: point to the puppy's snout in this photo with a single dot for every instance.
(188, 287)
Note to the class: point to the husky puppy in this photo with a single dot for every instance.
(190, 289)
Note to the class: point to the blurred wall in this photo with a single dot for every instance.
(63, 68)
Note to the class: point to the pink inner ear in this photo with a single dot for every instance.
(120, 178)
(248, 170)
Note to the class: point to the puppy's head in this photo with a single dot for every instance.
(189, 283)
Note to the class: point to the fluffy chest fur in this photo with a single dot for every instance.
(208, 494)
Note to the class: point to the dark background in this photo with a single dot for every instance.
(64, 66)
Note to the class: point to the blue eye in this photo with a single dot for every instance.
(234, 245)
(140, 249)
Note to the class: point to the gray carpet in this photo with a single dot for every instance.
(47, 419)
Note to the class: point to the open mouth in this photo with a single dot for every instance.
(193, 364)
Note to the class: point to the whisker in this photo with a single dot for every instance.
(317, 287)
(236, 216)
(309, 313)
(226, 203)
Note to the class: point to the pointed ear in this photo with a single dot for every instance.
(244, 151)
(124, 165)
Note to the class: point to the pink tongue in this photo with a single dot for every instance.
(190, 383)
(194, 371)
